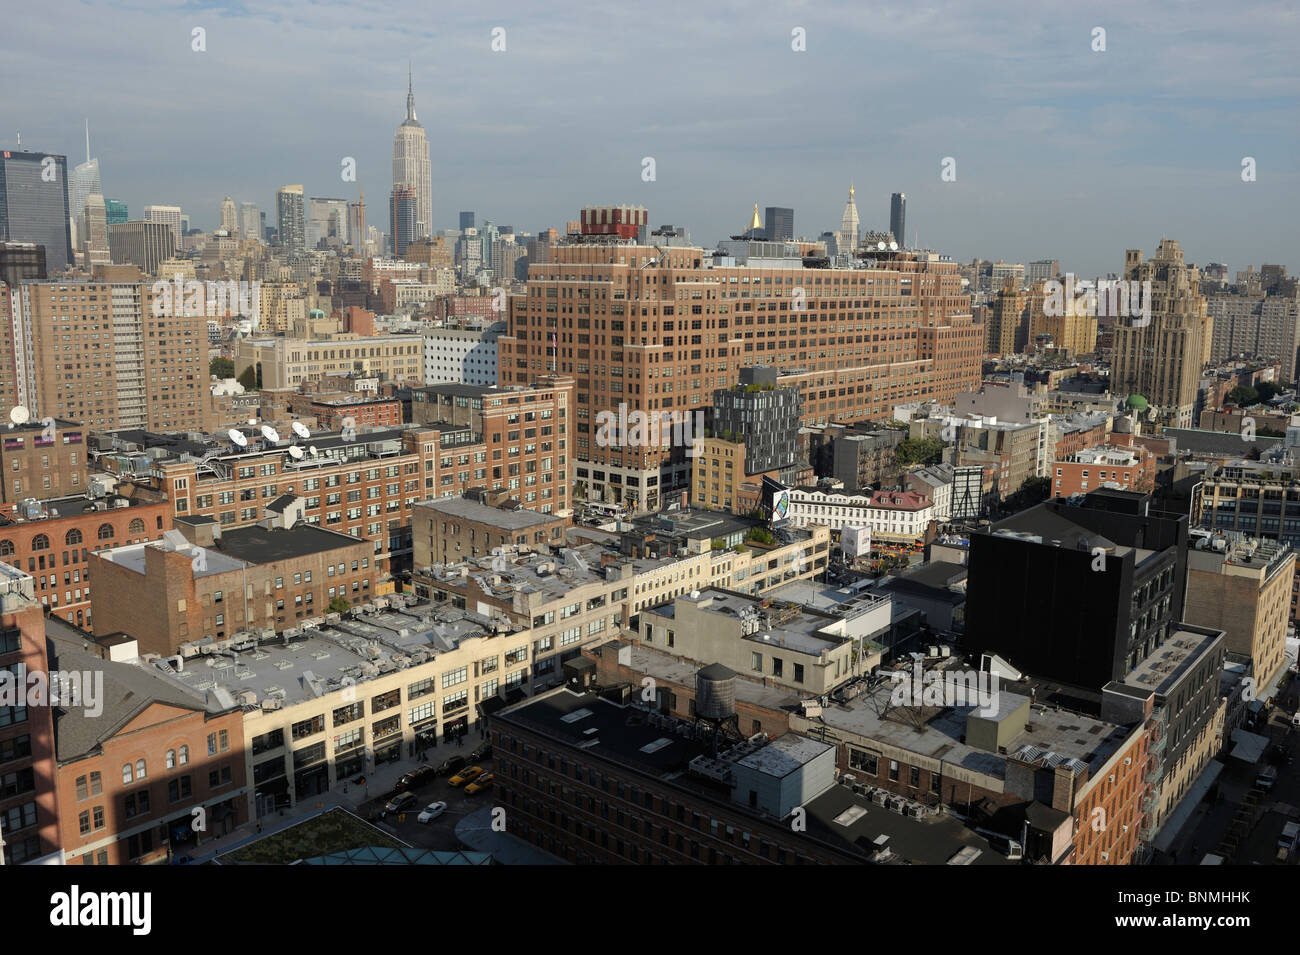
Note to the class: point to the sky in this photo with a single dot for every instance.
(1061, 151)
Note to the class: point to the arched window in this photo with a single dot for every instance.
(171, 759)
(74, 537)
(137, 527)
(6, 548)
(185, 755)
(126, 773)
(40, 542)
(106, 532)
(139, 769)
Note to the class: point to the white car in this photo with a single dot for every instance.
(432, 811)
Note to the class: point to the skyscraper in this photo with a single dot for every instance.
(1160, 357)
(115, 211)
(326, 219)
(411, 167)
(898, 218)
(94, 242)
(229, 218)
(34, 204)
(846, 240)
(779, 223)
(357, 223)
(250, 220)
(466, 221)
(291, 219)
(402, 218)
(169, 216)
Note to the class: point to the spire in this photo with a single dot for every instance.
(87, 139)
(410, 94)
(755, 223)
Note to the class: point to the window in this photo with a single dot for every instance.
(868, 763)
(40, 542)
(72, 537)
(105, 532)
(126, 773)
(184, 756)
(136, 527)
(139, 769)
(171, 759)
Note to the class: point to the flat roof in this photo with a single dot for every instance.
(470, 509)
(1169, 661)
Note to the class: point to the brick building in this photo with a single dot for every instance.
(151, 776)
(205, 581)
(42, 460)
(660, 330)
(452, 529)
(52, 541)
(29, 819)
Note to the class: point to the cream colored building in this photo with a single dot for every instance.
(288, 362)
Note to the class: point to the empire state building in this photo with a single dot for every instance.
(411, 167)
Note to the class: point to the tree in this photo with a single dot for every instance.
(925, 451)
(222, 368)
(1267, 390)
(1033, 491)
(760, 535)
(1243, 396)
(339, 605)
(248, 378)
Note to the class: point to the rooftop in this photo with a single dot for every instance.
(485, 514)
(1169, 661)
(764, 621)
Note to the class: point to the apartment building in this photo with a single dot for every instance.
(101, 355)
(288, 362)
(466, 356)
(659, 330)
(1126, 469)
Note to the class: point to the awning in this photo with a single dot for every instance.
(1249, 747)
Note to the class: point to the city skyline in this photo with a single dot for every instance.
(1116, 151)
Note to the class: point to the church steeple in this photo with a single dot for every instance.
(755, 223)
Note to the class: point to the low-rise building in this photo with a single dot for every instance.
(900, 517)
(450, 529)
(202, 581)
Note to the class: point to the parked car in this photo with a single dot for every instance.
(483, 782)
(420, 774)
(451, 765)
(432, 811)
(481, 754)
(1266, 778)
(466, 776)
(398, 803)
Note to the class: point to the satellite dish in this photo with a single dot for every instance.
(295, 452)
(893, 247)
(880, 246)
(312, 451)
(19, 414)
(237, 437)
(301, 430)
(270, 433)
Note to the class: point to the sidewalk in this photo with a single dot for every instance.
(347, 796)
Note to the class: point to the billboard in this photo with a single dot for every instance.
(775, 501)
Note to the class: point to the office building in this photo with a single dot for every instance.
(250, 221)
(463, 356)
(403, 209)
(34, 204)
(466, 221)
(169, 216)
(412, 170)
(20, 262)
(898, 218)
(229, 217)
(115, 211)
(453, 529)
(143, 244)
(846, 240)
(778, 224)
(327, 219)
(281, 362)
(703, 324)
